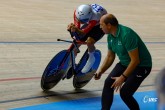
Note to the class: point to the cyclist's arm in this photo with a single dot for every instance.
(91, 24)
(86, 29)
(76, 22)
(108, 61)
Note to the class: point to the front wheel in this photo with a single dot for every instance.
(55, 70)
(81, 79)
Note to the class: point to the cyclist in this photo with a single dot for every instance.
(86, 27)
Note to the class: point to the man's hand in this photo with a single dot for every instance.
(97, 76)
(118, 82)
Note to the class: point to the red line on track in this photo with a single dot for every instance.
(18, 79)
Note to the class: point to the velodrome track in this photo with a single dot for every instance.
(28, 33)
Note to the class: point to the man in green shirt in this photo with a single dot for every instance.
(134, 65)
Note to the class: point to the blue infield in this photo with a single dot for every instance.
(147, 101)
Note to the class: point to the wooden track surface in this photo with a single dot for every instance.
(28, 33)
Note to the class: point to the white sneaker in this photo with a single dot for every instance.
(89, 63)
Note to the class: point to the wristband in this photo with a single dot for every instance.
(124, 76)
(99, 76)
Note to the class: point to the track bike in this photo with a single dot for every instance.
(62, 66)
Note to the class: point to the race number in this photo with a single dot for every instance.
(97, 8)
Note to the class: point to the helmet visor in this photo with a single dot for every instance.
(83, 20)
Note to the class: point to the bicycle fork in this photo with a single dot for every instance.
(73, 60)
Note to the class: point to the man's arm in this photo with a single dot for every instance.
(134, 55)
(135, 60)
(108, 61)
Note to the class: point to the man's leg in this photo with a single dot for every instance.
(108, 92)
(91, 49)
(131, 85)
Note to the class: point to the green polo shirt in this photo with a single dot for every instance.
(127, 40)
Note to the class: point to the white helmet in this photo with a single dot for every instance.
(84, 13)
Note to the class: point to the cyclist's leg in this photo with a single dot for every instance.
(91, 59)
(90, 44)
(91, 38)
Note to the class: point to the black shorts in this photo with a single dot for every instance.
(96, 33)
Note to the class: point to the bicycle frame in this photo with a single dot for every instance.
(70, 51)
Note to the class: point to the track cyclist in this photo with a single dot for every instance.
(86, 28)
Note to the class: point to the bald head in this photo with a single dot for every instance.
(109, 18)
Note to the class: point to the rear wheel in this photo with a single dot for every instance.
(55, 70)
(81, 79)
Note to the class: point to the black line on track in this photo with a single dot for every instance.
(57, 94)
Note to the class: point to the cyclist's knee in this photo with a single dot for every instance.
(90, 41)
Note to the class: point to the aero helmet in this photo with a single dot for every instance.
(84, 13)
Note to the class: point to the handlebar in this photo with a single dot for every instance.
(64, 40)
(74, 42)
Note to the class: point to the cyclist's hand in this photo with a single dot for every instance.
(97, 76)
(74, 29)
(70, 26)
